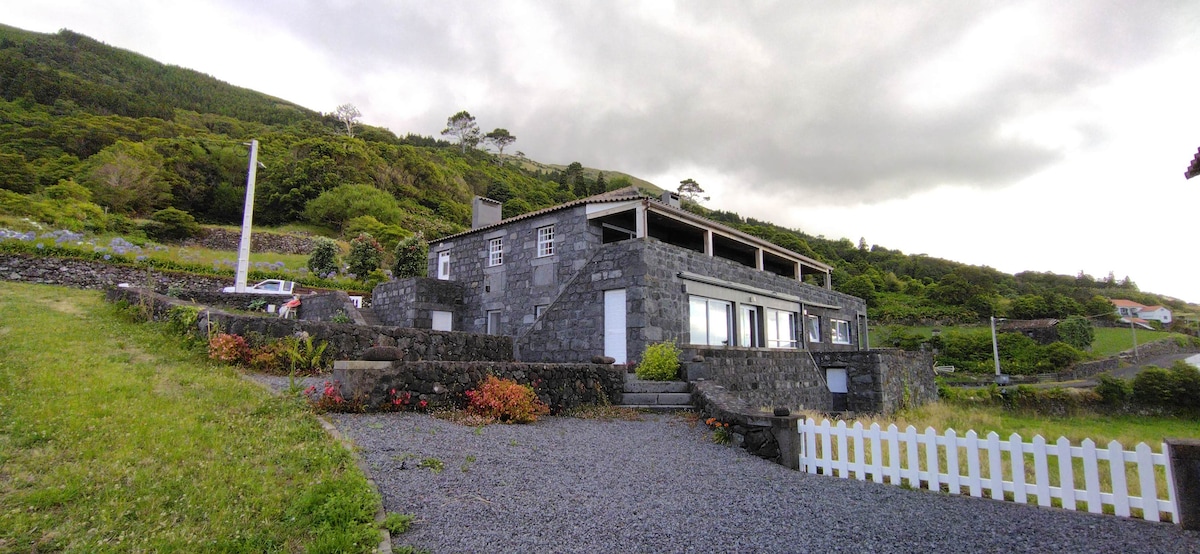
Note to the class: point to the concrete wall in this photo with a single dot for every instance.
(443, 384)
(346, 341)
(883, 381)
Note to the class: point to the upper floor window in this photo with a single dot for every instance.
(545, 241)
(814, 328)
(443, 266)
(841, 331)
(495, 252)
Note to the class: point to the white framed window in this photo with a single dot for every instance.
(781, 329)
(495, 252)
(539, 310)
(841, 331)
(814, 328)
(443, 267)
(545, 241)
(493, 322)
(710, 321)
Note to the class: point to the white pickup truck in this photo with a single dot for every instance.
(276, 287)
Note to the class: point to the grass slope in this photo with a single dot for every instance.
(115, 436)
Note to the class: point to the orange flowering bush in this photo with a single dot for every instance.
(231, 349)
(506, 401)
(721, 433)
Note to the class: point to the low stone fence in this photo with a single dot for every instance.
(227, 239)
(97, 275)
(1162, 347)
(345, 341)
(760, 433)
(884, 380)
(762, 377)
(443, 384)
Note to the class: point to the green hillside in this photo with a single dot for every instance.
(95, 138)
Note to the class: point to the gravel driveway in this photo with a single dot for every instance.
(660, 485)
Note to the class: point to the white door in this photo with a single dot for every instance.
(442, 321)
(443, 271)
(614, 325)
(836, 377)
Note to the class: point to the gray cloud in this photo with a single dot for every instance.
(802, 99)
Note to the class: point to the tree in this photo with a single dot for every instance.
(324, 258)
(861, 286)
(348, 115)
(690, 190)
(411, 257)
(171, 224)
(365, 256)
(600, 186)
(500, 138)
(340, 204)
(1077, 331)
(462, 126)
(499, 191)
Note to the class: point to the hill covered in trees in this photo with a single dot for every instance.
(94, 138)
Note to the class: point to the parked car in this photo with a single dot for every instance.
(277, 287)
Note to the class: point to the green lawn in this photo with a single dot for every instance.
(114, 436)
(1111, 340)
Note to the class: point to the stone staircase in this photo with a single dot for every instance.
(659, 396)
(369, 316)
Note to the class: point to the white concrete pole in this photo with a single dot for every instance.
(995, 349)
(243, 267)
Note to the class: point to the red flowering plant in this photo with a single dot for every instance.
(231, 349)
(721, 432)
(506, 401)
(328, 398)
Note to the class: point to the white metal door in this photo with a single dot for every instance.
(614, 325)
(836, 377)
(442, 321)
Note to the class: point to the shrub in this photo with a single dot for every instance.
(365, 255)
(506, 401)
(271, 358)
(324, 257)
(1187, 385)
(1077, 331)
(1114, 391)
(171, 224)
(660, 362)
(1062, 354)
(411, 256)
(231, 349)
(1154, 386)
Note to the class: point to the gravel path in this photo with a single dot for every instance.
(659, 485)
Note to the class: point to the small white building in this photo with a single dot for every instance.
(1130, 309)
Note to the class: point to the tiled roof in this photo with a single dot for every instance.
(1014, 324)
(1122, 303)
(618, 195)
(1151, 308)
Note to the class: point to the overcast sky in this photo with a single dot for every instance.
(1044, 136)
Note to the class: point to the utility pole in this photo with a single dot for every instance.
(243, 266)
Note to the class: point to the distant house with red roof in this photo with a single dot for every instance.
(1140, 313)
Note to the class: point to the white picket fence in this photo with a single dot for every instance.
(933, 461)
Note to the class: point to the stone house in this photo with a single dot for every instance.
(611, 274)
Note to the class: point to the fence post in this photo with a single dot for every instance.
(789, 438)
(1184, 457)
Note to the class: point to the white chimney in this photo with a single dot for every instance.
(484, 212)
(670, 198)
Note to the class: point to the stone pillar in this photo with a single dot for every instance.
(788, 437)
(1184, 457)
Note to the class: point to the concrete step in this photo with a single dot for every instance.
(657, 408)
(369, 316)
(656, 399)
(655, 386)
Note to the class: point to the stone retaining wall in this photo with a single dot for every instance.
(1162, 347)
(345, 340)
(760, 433)
(228, 239)
(443, 384)
(885, 380)
(98, 275)
(762, 378)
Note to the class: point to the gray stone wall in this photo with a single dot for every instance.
(883, 381)
(229, 239)
(443, 384)
(327, 305)
(760, 433)
(524, 281)
(762, 378)
(97, 275)
(409, 302)
(345, 341)
(1162, 347)
(572, 329)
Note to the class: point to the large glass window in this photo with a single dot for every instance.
(495, 252)
(814, 328)
(841, 331)
(545, 241)
(781, 329)
(711, 321)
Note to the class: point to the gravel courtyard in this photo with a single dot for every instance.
(660, 485)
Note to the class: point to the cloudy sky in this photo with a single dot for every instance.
(1044, 136)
